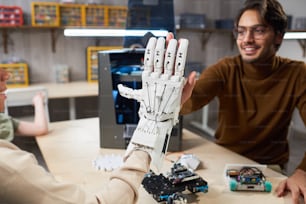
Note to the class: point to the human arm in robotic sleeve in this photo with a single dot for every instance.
(160, 96)
(24, 181)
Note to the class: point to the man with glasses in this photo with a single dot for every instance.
(257, 92)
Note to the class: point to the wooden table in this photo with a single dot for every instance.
(71, 146)
(71, 91)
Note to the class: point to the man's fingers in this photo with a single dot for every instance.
(303, 192)
(295, 197)
(187, 90)
(280, 190)
(169, 37)
(284, 186)
(304, 196)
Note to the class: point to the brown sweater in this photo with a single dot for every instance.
(255, 105)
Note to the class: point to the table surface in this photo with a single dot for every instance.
(70, 90)
(71, 146)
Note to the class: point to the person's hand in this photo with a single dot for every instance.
(187, 90)
(4, 76)
(2, 102)
(160, 96)
(296, 184)
(38, 99)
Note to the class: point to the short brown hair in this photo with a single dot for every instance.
(271, 12)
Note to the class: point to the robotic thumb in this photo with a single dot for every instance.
(130, 93)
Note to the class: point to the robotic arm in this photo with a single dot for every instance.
(160, 97)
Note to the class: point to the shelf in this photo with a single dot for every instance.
(302, 43)
(207, 32)
(5, 30)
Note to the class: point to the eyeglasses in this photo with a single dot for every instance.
(257, 32)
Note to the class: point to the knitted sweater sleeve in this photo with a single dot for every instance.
(208, 85)
(301, 105)
(302, 165)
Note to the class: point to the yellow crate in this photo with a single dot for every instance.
(45, 14)
(72, 15)
(117, 16)
(95, 15)
(92, 61)
(19, 74)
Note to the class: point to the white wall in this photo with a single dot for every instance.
(291, 48)
(35, 46)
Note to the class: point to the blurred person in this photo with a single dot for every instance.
(11, 126)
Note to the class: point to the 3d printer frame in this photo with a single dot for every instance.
(115, 133)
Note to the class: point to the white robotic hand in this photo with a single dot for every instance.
(160, 97)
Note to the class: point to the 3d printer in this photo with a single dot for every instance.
(118, 115)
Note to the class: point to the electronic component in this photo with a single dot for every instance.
(247, 178)
(170, 187)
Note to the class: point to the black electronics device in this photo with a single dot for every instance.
(169, 188)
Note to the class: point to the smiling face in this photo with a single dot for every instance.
(256, 40)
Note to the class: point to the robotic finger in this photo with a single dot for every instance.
(149, 56)
(159, 56)
(180, 59)
(170, 57)
(130, 93)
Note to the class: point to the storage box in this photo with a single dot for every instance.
(92, 61)
(105, 15)
(19, 74)
(61, 73)
(11, 16)
(95, 15)
(72, 15)
(117, 16)
(45, 14)
(300, 23)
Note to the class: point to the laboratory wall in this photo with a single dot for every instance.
(34, 46)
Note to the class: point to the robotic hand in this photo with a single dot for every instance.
(160, 97)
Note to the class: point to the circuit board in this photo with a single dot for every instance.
(167, 188)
